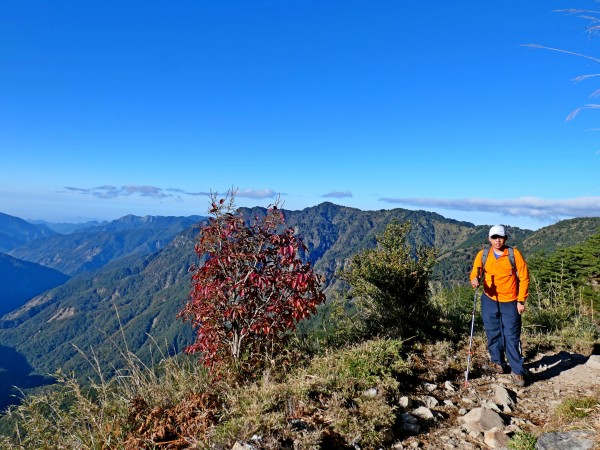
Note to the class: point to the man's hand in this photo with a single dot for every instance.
(520, 307)
(475, 282)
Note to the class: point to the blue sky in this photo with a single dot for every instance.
(119, 107)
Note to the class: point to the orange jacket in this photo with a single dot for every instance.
(500, 282)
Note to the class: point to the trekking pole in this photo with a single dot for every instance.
(472, 326)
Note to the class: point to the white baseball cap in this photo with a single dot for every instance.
(497, 230)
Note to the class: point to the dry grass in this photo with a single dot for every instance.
(346, 396)
(343, 396)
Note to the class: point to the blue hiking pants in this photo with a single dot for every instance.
(502, 324)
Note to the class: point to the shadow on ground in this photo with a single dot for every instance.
(16, 376)
(550, 366)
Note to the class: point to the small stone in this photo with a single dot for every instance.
(423, 413)
(430, 387)
(388, 436)
(490, 405)
(495, 438)
(512, 428)
(431, 402)
(503, 396)
(449, 386)
(370, 393)
(242, 446)
(405, 402)
(484, 418)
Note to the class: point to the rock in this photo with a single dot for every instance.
(512, 428)
(482, 418)
(242, 446)
(567, 440)
(370, 393)
(490, 405)
(405, 402)
(495, 438)
(449, 403)
(449, 386)
(423, 413)
(413, 428)
(503, 396)
(388, 436)
(431, 402)
(429, 387)
(408, 418)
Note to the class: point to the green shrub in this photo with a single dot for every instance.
(390, 285)
(522, 441)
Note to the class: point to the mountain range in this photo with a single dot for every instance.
(126, 280)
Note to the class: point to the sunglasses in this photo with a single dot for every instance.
(498, 237)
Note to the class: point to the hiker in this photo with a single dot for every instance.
(505, 287)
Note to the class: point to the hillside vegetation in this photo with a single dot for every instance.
(335, 385)
(15, 232)
(142, 293)
(92, 248)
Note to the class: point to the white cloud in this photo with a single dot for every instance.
(108, 191)
(524, 206)
(181, 191)
(256, 193)
(338, 194)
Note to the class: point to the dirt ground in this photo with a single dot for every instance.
(555, 377)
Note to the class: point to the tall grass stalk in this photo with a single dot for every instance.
(95, 415)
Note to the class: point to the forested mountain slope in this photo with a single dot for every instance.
(23, 280)
(15, 232)
(94, 247)
(138, 297)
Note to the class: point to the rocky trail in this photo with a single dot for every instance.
(490, 409)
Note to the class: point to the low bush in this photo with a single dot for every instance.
(522, 441)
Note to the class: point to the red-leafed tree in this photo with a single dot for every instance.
(252, 288)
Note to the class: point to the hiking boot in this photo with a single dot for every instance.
(497, 368)
(519, 380)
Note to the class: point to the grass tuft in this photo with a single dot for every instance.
(577, 408)
(522, 441)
